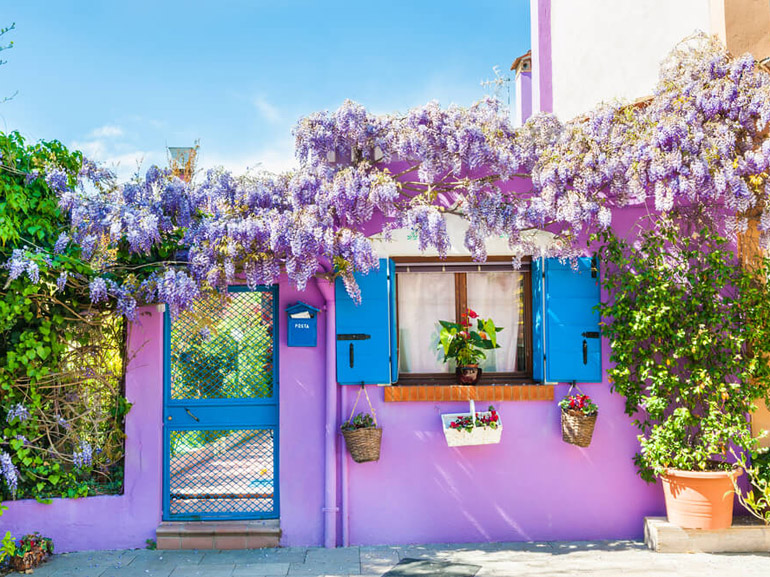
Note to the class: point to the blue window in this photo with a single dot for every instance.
(365, 345)
(547, 310)
(566, 332)
(433, 290)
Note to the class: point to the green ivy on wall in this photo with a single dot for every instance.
(62, 361)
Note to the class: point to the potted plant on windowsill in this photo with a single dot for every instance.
(689, 329)
(466, 345)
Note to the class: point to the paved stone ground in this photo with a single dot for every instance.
(601, 558)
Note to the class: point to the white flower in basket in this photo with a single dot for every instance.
(472, 434)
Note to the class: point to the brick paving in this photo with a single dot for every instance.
(600, 558)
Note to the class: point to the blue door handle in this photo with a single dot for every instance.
(197, 420)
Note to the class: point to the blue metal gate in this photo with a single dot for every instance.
(221, 408)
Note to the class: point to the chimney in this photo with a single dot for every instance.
(182, 161)
(522, 68)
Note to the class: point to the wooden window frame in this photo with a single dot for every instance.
(461, 303)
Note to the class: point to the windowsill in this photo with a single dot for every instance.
(447, 392)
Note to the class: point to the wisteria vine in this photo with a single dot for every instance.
(700, 140)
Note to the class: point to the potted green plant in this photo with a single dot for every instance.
(578, 419)
(690, 334)
(32, 550)
(466, 345)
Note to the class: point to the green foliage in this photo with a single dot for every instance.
(32, 542)
(689, 332)
(7, 547)
(467, 423)
(60, 359)
(757, 499)
(579, 403)
(8, 544)
(360, 421)
(459, 341)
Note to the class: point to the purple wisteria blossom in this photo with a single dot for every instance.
(61, 281)
(61, 421)
(61, 243)
(700, 140)
(57, 179)
(21, 262)
(17, 411)
(9, 472)
(83, 456)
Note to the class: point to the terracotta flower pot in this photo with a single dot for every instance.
(468, 374)
(699, 499)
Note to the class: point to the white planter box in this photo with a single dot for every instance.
(477, 436)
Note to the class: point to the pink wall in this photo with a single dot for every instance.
(301, 451)
(532, 486)
(116, 521)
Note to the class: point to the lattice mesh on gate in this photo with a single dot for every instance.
(223, 348)
(221, 472)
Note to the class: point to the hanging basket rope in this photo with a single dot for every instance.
(363, 444)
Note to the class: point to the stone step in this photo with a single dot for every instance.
(209, 535)
(747, 535)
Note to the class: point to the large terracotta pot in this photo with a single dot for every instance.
(700, 499)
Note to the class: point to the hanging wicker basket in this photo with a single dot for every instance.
(363, 444)
(577, 428)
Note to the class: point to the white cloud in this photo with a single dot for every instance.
(267, 110)
(278, 157)
(107, 131)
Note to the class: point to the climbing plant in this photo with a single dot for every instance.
(62, 360)
(689, 330)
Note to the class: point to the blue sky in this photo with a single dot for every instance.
(123, 80)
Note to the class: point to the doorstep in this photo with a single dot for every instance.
(747, 535)
(209, 535)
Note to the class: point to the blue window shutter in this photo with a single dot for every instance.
(365, 332)
(538, 326)
(393, 322)
(572, 343)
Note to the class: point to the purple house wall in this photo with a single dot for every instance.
(532, 486)
(116, 521)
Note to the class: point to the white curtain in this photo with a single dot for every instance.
(423, 300)
(497, 295)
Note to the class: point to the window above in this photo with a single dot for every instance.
(432, 290)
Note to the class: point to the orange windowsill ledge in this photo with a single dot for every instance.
(400, 394)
